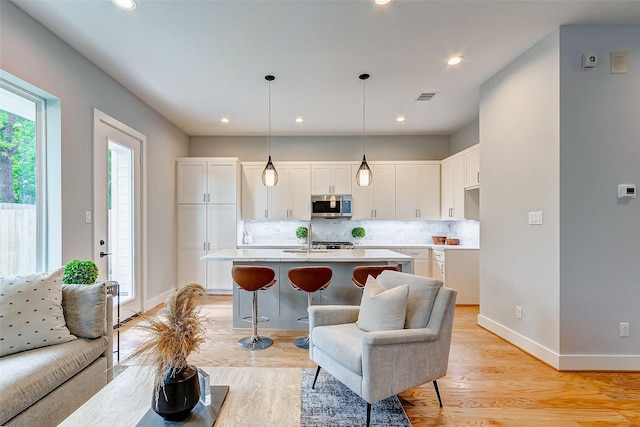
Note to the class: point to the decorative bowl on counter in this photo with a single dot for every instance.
(439, 240)
(453, 241)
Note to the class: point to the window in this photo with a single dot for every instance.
(22, 183)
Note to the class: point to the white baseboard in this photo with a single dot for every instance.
(160, 299)
(569, 362)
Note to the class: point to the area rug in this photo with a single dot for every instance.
(333, 404)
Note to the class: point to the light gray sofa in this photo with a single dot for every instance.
(42, 386)
(379, 363)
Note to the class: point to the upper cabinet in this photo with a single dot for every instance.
(418, 191)
(472, 167)
(289, 199)
(207, 181)
(453, 188)
(330, 178)
(379, 199)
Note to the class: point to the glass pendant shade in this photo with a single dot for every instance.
(269, 174)
(364, 177)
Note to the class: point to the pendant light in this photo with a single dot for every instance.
(364, 177)
(269, 174)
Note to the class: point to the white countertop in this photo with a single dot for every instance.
(392, 246)
(282, 255)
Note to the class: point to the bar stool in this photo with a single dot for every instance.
(310, 280)
(254, 279)
(360, 274)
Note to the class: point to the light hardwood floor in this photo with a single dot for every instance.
(489, 381)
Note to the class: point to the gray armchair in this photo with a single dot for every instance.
(376, 365)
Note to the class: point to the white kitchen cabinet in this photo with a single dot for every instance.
(330, 178)
(452, 185)
(472, 167)
(291, 197)
(437, 264)
(461, 272)
(418, 191)
(207, 220)
(421, 260)
(379, 199)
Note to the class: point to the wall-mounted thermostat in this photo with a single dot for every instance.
(626, 191)
(589, 60)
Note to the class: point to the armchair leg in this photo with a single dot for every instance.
(435, 385)
(368, 414)
(316, 377)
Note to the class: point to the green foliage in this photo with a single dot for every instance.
(302, 232)
(18, 154)
(82, 272)
(358, 232)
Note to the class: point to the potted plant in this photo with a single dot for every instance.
(358, 233)
(302, 233)
(83, 272)
(172, 335)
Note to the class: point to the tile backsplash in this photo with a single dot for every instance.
(379, 232)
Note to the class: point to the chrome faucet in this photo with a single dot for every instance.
(309, 235)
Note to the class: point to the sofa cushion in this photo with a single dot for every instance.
(343, 342)
(30, 375)
(382, 309)
(84, 309)
(422, 294)
(31, 313)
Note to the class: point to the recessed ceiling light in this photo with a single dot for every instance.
(299, 120)
(400, 119)
(125, 4)
(455, 60)
(225, 120)
(382, 2)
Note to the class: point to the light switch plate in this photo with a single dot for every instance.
(87, 217)
(618, 62)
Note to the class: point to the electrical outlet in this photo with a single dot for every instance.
(624, 329)
(519, 313)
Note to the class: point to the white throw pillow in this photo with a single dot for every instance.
(382, 309)
(31, 313)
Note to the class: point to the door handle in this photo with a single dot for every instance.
(103, 254)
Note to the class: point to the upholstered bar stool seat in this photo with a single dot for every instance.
(254, 279)
(360, 274)
(309, 280)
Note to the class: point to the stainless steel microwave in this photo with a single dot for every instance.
(331, 206)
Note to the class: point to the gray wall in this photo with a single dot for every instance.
(310, 148)
(559, 139)
(519, 136)
(599, 234)
(32, 53)
(465, 137)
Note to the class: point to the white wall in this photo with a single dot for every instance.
(32, 53)
(309, 148)
(519, 263)
(599, 234)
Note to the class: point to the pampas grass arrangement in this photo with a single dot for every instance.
(173, 334)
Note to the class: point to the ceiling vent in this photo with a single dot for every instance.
(426, 96)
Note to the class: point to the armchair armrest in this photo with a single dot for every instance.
(323, 315)
(403, 336)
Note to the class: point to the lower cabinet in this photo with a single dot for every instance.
(460, 270)
(204, 229)
(421, 263)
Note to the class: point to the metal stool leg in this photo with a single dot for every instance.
(255, 342)
(303, 342)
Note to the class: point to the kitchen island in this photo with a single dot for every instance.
(281, 303)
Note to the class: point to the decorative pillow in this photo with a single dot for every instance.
(382, 309)
(84, 309)
(31, 312)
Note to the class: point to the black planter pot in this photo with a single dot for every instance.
(180, 395)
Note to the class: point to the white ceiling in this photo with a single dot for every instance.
(196, 62)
